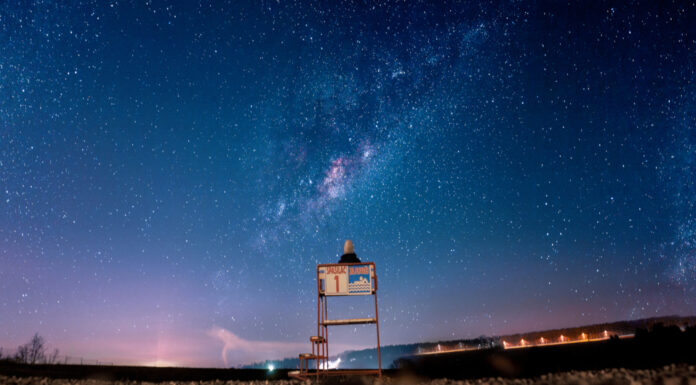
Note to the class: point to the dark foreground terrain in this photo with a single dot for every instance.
(134, 373)
(668, 375)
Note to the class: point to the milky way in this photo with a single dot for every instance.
(680, 175)
(172, 172)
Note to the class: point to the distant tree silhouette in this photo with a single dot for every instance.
(53, 357)
(33, 351)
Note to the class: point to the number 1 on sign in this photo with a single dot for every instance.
(336, 279)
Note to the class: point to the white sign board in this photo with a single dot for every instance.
(342, 279)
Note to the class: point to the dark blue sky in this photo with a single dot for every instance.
(172, 172)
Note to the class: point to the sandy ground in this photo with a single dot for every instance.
(668, 375)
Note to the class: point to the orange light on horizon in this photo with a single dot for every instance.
(562, 338)
(161, 364)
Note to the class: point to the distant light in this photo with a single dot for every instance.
(271, 367)
(160, 363)
(331, 364)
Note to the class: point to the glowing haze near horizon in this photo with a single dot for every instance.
(171, 173)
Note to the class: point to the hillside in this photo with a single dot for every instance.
(367, 358)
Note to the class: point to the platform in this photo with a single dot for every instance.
(351, 321)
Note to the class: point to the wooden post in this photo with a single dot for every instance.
(379, 351)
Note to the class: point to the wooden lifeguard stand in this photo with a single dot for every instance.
(336, 280)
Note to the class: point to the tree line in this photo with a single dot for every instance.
(33, 352)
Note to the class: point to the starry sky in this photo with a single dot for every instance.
(172, 172)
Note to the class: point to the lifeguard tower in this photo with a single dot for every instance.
(337, 280)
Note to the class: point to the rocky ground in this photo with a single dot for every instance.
(668, 375)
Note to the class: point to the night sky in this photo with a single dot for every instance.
(171, 173)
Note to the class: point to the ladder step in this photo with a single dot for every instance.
(295, 374)
(310, 356)
(350, 321)
(317, 339)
